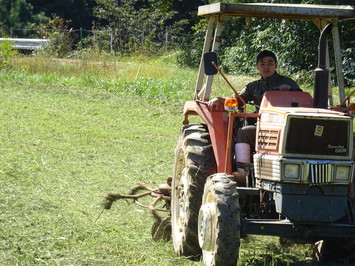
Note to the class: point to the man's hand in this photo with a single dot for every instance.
(284, 87)
(216, 104)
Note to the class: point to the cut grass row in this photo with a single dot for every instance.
(62, 150)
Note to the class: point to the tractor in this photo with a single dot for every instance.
(300, 184)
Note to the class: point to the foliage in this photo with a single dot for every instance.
(61, 42)
(130, 22)
(185, 14)
(145, 26)
(349, 66)
(17, 14)
(6, 53)
(154, 26)
(158, 79)
(347, 42)
(276, 36)
(191, 45)
(77, 12)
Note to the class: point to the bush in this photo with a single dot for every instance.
(6, 53)
(349, 66)
(191, 45)
(274, 35)
(61, 42)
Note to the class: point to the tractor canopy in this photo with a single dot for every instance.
(321, 15)
(283, 11)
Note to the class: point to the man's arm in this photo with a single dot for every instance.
(247, 93)
(288, 84)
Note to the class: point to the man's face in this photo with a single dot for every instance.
(266, 66)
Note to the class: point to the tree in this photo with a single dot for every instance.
(78, 12)
(17, 14)
(132, 21)
(185, 13)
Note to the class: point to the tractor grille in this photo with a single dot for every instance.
(320, 173)
(314, 172)
(267, 139)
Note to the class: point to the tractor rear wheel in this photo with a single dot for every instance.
(219, 221)
(194, 162)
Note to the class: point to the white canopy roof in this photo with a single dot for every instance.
(286, 11)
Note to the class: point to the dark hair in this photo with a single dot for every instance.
(265, 53)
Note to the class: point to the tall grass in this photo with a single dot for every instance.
(157, 79)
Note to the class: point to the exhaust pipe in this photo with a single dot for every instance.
(321, 74)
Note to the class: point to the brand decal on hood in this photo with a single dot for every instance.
(318, 131)
(337, 148)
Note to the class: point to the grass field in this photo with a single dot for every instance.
(73, 131)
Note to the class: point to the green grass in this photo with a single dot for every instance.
(157, 79)
(71, 132)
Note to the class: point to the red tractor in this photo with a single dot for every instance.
(300, 185)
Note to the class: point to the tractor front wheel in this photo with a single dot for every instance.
(219, 221)
(336, 249)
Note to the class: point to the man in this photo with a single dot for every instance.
(266, 64)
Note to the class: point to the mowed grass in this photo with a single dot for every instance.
(62, 150)
(69, 137)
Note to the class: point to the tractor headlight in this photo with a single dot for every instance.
(342, 173)
(291, 171)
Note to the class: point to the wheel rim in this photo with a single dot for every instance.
(206, 227)
(180, 190)
(219, 225)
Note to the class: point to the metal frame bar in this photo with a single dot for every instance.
(338, 60)
(276, 10)
(215, 46)
(285, 228)
(211, 22)
(205, 92)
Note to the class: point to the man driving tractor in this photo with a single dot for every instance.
(266, 64)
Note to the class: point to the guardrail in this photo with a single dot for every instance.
(27, 44)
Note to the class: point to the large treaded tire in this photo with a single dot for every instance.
(219, 221)
(336, 249)
(194, 162)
